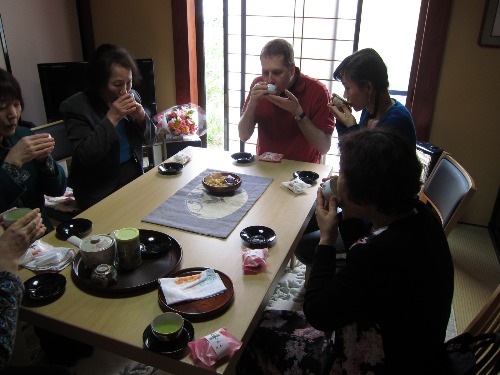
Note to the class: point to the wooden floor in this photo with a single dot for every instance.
(477, 271)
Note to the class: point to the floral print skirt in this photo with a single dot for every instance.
(284, 343)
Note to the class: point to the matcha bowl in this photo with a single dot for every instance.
(167, 326)
(14, 215)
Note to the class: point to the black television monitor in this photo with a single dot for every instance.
(61, 80)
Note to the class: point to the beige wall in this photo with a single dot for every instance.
(39, 31)
(466, 121)
(145, 29)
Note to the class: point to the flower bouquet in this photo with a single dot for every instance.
(182, 122)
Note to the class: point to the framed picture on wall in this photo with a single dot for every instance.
(490, 28)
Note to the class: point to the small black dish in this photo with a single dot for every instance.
(243, 157)
(168, 347)
(170, 168)
(154, 244)
(307, 176)
(74, 227)
(44, 288)
(258, 236)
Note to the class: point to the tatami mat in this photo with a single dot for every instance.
(477, 271)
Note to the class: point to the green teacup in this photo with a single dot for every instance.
(14, 215)
(167, 326)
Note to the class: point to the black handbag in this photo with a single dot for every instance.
(469, 354)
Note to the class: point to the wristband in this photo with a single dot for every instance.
(300, 117)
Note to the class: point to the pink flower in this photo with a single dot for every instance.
(180, 121)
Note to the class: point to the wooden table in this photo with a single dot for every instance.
(116, 324)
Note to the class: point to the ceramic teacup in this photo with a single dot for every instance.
(14, 215)
(329, 189)
(167, 326)
(271, 88)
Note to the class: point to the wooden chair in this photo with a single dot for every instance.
(487, 321)
(447, 191)
(62, 153)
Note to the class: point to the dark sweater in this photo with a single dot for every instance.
(31, 192)
(400, 279)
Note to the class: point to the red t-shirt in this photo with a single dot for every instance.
(279, 132)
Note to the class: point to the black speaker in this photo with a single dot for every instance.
(428, 155)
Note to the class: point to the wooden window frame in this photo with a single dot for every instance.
(428, 54)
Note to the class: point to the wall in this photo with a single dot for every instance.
(467, 116)
(145, 29)
(39, 31)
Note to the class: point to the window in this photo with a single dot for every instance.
(321, 36)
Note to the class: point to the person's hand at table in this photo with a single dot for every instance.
(326, 216)
(31, 147)
(18, 237)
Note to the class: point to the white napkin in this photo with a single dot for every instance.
(296, 185)
(181, 158)
(188, 288)
(41, 256)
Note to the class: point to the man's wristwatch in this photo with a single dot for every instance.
(300, 117)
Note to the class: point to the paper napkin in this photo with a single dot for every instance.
(181, 158)
(188, 288)
(41, 256)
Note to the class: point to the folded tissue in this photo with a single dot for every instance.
(41, 256)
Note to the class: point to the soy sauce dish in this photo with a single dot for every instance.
(243, 157)
(74, 227)
(44, 288)
(308, 177)
(258, 237)
(154, 244)
(170, 168)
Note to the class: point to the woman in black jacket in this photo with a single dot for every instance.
(107, 126)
